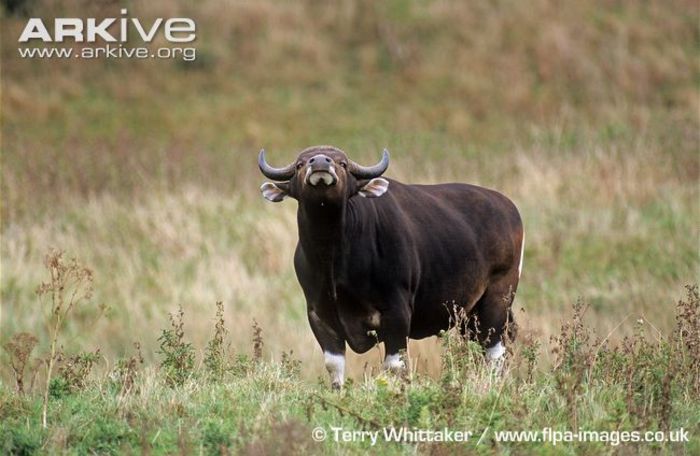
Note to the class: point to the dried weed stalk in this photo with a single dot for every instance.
(69, 285)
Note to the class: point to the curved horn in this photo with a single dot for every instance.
(370, 172)
(278, 174)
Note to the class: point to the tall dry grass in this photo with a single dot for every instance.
(584, 113)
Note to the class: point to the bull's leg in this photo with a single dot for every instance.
(333, 348)
(395, 328)
(335, 365)
(493, 318)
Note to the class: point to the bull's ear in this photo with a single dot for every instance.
(374, 188)
(274, 192)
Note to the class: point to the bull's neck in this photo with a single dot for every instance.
(322, 231)
(321, 228)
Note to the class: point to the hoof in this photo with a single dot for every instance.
(394, 363)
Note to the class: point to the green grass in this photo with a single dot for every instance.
(259, 406)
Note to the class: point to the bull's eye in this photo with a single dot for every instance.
(299, 165)
(344, 164)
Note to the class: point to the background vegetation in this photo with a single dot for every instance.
(584, 113)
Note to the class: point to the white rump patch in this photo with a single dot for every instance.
(393, 362)
(522, 254)
(335, 365)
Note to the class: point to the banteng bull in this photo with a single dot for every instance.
(379, 260)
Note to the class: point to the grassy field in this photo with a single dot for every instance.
(585, 114)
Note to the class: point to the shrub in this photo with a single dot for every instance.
(215, 353)
(74, 370)
(20, 348)
(124, 373)
(178, 355)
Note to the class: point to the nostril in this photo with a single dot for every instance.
(312, 160)
(328, 160)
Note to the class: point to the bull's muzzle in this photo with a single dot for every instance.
(321, 170)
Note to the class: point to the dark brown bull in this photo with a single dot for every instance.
(391, 263)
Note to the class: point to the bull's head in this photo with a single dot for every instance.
(323, 173)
